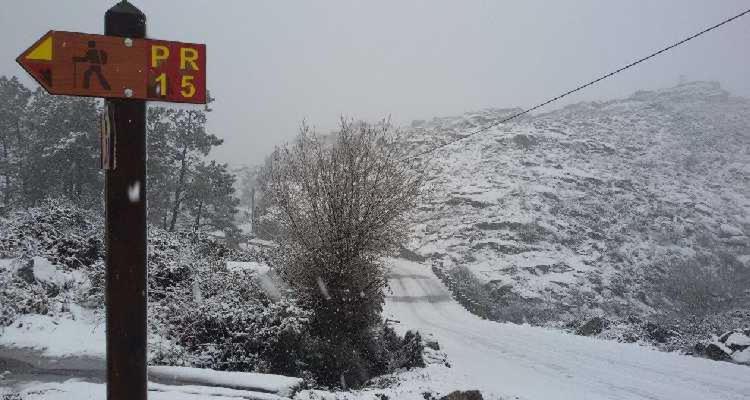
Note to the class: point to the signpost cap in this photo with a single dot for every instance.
(124, 7)
(125, 19)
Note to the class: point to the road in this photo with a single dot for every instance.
(537, 363)
(26, 365)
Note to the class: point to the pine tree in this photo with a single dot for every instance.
(14, 98)
(211, 197)
(178, 141)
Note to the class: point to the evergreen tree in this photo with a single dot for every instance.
(56, 154)
(211, 198)
(14, 98)
(178, 142)
(49, 148)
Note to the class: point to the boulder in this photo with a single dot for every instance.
(467, 395)
(433, 344)
(737, 340)
(658, 333)
(410, 255)
(714, 352)
(594, 326)
(26, 271)
(726, 230)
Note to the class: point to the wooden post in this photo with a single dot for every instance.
(125, 207)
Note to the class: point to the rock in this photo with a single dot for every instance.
(726, 230)
(467, 395)
(26, 272)
(634, 320)
(524, 141)
(433, 344)
(410, 255)
(658, 333)
(714, 352)
(742, 357)
(629, 338)
(735, 340)
(594, 326)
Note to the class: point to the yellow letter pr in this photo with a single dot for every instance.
(188, 55)
(158, 54)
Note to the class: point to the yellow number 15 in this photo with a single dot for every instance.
(188, 88)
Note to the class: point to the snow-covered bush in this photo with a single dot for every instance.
(202, 313)
(20, 297)
(226, 332)
(57, 230)
(350, 363)
(705, 284)
(57, 233)
(221, 319)
(340, 204)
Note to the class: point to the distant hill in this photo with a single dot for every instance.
(619, 207)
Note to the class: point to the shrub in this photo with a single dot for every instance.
(349, 363)
(235, 327)
(232, 331)
(340, 205)
(56, 230)
(702, 285)
(20, 297)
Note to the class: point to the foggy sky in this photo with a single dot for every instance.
(272, 64)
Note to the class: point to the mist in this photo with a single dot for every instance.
(272, 65)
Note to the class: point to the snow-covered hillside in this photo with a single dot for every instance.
(596, 206)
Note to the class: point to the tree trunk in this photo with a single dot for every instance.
(198, 216)
(178, 190)
(6, 171)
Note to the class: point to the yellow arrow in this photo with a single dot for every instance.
(43, 51)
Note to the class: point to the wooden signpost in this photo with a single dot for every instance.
(80, 64)
(127, 69)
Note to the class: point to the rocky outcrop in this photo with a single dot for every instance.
(731, 346)
(592, 327)
(467, 395)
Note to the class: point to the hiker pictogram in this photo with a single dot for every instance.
(95, 58)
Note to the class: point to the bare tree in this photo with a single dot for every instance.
(341, 202)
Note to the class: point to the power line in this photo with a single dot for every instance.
(601, 78)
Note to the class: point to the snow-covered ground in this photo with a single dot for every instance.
(508, 360)
(504, 361)
(81, 390)
(78, 333)
(275, 384)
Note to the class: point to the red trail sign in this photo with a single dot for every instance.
(79, 64)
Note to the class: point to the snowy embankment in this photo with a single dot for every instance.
(67, 329)
(508, 360)
(168, 383)
(79, 334)
(80, 390)
(274, 384)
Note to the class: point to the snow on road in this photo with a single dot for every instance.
(74, 389)
(265, 383)
(536, 363)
